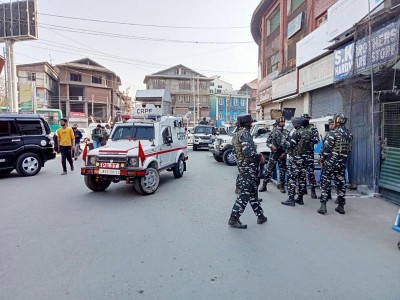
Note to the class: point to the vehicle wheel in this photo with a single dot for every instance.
(194, 147)
(98, 186)
(179, 168)
(398, 245)
(5, 171)
(28, 164)
(218, 158)
(229, 157)
(149, 183)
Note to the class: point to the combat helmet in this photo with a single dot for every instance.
(243, 119)
(339, 119)
(298, 121)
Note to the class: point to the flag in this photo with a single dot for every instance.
(141, 154)
(84, 154)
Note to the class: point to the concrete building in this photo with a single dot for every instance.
(250, 89)
(88, 87)
(218, 86)
(190, 90)
(37, 82)
(277, 26)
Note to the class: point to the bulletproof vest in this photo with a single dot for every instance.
(342, 142)
(237, 146)
(305, 143)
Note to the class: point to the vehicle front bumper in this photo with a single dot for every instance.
(124, 173)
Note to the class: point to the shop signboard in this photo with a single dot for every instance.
(294, 25)
(313, 45)
(343, 61)
(266, 95)
(316, 75)
(25, 95)
(285, 85)
(345, 13)
(384, 47)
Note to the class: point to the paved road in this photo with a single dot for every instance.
(58, 240)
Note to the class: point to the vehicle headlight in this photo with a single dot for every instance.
(196, 137)
(92, 160)
(133, 161)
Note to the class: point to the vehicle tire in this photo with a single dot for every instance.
(28, 164)
(229, 157)
(194, 147)
(5, 171)
(179, 168)
(149, 183)
(398, 245)
(99, 186)
(218, 158)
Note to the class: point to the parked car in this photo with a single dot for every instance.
(24, 144)
(202, 136)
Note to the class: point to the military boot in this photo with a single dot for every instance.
(235, 223)
(260, 200)
(282, 188)
(237, 190)
(322, 210)
(299, 200)
(289, 202)
(261, 219)
(313, 194)
(340, 209)
(263, 187)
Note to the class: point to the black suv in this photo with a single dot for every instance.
(24, 143)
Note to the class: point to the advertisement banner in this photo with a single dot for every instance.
(40, 96)
(343, 61)
(285, 85)
(25, 96)
(294, 25)
(384, 47)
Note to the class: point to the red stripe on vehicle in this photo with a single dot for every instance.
(165, 151)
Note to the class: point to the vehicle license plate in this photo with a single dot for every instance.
(109, 172)
(109, 165)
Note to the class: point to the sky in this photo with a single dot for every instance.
(229, 52)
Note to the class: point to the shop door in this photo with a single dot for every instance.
(389, 180)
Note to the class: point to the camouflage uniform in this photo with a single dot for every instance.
(335, 151)
(298, 144)
(247, 158)
(309, 159)
(238, 160)
(276, 138)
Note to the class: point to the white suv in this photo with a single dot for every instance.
(136, 152)
(202, 136)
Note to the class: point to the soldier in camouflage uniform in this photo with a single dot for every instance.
(248, 160)
(309, 157)
(276, 141)
(335, 151)
(331, 125)
(298, 144)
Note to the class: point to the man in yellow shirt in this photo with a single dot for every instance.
(66, 142)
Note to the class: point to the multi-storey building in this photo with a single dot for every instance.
(190, 90)
(226, 107)
(218, 86)
(277, 26)
(88, 87)
(39, 82)
(250, 89)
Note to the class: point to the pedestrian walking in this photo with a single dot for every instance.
(297, 146)
(336, 149)
(66, 141)
(309, 155)
(249, 161)
(276, 141)
(97, 136)
(78, 137)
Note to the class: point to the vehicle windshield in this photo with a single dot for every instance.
(133, 133)
(205, 130)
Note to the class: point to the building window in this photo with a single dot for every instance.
(212, 83)
(273, 62)
(185, 85)
(96, 79)
(220, 116)
(158, 84)
(235, 102)
(75, 77)
(322, 19)
(291, 49)
(273, 21)
(292, 5)
(242, 102)
(176, 71)
(221, 101)
(220, 86)
(211, 92)
(31, 76)
(234, 116)
(219, 91)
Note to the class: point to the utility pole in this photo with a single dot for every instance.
(198, 98)
(194, 103)
(11, 71)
